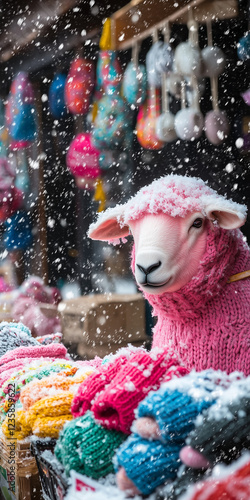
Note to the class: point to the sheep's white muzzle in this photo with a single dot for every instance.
(150, 271)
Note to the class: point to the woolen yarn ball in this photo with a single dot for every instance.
(165, 128)
(217, 126)
(214, 61)
(189, 124)
(188, 59)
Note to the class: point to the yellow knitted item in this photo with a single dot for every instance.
(13, 430)
(52, 385)
(45, 418)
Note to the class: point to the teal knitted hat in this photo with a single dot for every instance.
(87, 447)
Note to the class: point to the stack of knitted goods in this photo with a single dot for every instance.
(115, 390)
(17, 358)
(46, 403)
(37, 369)
(220, 436)
(144, 464)
(13, 335)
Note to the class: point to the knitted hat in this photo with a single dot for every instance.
(94, 384)
(85, 446)
(45, 418)
(13, 335)
(177, 403)
(147, 463)
(114, 407)
(52, 385)
(224, 429)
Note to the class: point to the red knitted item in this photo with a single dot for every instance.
(236, 486)
(94, 384)
(143, 372)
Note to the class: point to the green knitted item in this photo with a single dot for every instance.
(87, 447)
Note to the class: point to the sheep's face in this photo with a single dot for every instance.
(168, 250)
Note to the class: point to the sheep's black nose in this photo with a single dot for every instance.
(149, 269)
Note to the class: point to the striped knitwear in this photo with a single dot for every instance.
(87, 447)
(54, 384)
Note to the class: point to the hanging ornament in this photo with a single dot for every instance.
(217, 126)
(20, 116)
(82, 160)
(56, 96)
(243, 47)
(189, 122)
(165, 123)
(79, 86)
(188, 60)
(134, 85)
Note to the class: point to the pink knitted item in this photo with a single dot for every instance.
(207, 321)
(94, 384)
(143, 372)
(41, 351)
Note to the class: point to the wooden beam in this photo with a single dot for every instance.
(138, 19)
(22, 30)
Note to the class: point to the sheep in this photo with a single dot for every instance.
(187, 250)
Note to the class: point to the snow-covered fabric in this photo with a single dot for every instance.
(115, 391)
(87, 447)
(206, 321)
(13, 335)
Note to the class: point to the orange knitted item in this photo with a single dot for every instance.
(45, 418)
(53, 385)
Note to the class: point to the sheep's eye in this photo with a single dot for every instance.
(197, 223)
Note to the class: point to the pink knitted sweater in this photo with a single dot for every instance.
(207, 322)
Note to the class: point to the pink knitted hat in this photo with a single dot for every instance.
(174, 195)
(94, 384)
(143, 372)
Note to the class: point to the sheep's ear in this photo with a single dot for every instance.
(109, 225)
(227, 218)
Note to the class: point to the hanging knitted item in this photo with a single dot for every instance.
(146, 121)
(79, 86)
(243, 47)
(134, 85)
(18, 231)
(86, 447)
(82, 160)
(56, 96)
(20, 115)
(108, 72)
(112, 122)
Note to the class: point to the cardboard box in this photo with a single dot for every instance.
(19, 477)
(95, 320)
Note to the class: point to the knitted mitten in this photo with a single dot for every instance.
(224, 429)
(114, 407)
(13, 335)
(85, 446)
(94, 384)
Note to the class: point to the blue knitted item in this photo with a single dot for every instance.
(174, 413)
(176, 404)
(147, 463)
